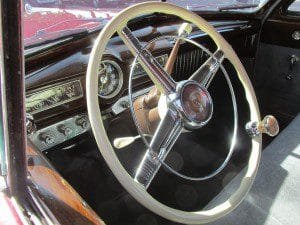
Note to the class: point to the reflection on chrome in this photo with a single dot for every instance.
(269, 125)
(152, 159)
(122, 142)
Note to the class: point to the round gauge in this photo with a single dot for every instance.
(110, 79)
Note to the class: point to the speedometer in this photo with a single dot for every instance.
(110, 79)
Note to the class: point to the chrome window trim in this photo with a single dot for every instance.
(4, 128)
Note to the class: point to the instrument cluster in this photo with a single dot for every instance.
(110, 79)
(110, 84)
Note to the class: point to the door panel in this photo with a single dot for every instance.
(280, 32)
(277, 79)
(277, 94)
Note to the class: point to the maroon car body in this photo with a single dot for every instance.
(51, 19)
(51, 23)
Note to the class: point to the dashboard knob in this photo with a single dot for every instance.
(65, 130)
(125, 104)
(82, 122)
(46, 138)
(30, 125)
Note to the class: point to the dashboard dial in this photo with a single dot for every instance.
(110, 79)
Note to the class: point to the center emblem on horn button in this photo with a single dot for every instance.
(196, 103)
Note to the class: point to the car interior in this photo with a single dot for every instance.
(112, 97)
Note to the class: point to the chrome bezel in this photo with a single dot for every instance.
(121, 79)
(188, 121)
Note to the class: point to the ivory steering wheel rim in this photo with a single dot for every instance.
(105, 147)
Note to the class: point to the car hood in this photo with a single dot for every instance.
(42, 24)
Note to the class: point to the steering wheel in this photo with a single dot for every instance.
(188, 104)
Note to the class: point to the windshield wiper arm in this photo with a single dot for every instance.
(233, 7)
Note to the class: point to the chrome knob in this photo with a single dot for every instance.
(82, 122)
(64, 130)
(46, 138)
(269, 125)
(30, 125)
(296, 35)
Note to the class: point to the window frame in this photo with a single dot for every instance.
(286, 13)
(290, 12)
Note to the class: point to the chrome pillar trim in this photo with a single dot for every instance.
(4, 129)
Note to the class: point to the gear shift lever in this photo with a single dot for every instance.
(145, 105)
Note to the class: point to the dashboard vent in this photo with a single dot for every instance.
(187, 62)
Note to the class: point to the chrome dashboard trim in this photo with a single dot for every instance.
(120, 105)
(158, 58)
(58, 103)
(54, 133)
(200, 34)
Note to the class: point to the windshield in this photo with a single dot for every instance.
(49, 20)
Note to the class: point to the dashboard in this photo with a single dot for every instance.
(55, 78)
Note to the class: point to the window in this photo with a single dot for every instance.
(48, 20)
(294, 7)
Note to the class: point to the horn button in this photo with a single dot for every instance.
(195, 104)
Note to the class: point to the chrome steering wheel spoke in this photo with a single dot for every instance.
(162, 142)
(205, 74)
(162, 80)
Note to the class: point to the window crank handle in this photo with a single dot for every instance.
(292, 61)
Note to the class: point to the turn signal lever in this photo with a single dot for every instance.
(269, 125)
